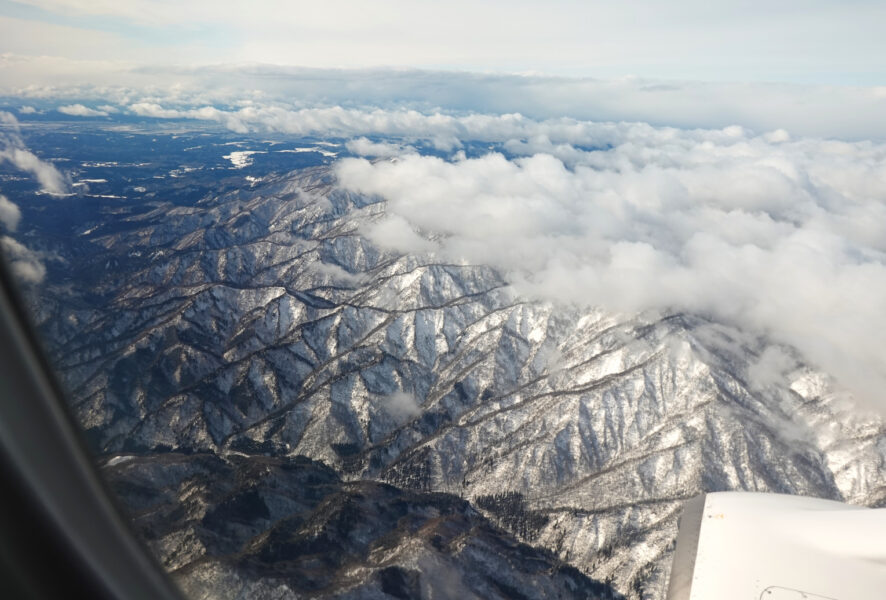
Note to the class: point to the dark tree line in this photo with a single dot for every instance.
(511, 512)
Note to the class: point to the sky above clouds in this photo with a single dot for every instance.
(810, 41)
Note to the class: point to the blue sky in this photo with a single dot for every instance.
(815, 41)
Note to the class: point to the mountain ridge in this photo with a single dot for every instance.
(261, 321)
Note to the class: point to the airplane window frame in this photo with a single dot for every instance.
(61, 532)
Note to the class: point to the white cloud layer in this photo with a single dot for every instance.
(782, 237)
(844, 112)
(559, 136)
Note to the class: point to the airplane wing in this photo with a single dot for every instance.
(756, 546)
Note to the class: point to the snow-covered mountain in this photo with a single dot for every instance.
(258, 325)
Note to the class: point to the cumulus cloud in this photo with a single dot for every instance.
(26, 264)
(51, 180)
(27, 110)
(78, 110)
(396, 233)
(365, 147)
(231, 120)
(10, 214)
(13, 150)
(786, 238)
(151, 109)
(400, 406)
(335, 274)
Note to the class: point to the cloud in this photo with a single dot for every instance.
(50, 179)
(231, 120)
(335, 274)
(771, 367)
(779, 236)
(150, 109)
(845, 112)
(10, 214)
(563, 136)
(400, 406)
(25, 264)
(78, 110)
(365, 147)
(13, 150)
(396, 233)
(27, 110)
